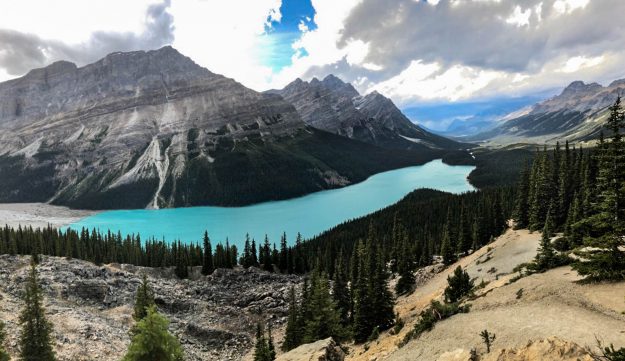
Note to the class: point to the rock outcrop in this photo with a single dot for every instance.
(322, 350)
(91, 306)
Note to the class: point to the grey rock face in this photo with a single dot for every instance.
(335, 106)
(130, 117)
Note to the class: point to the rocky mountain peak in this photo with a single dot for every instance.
(579, 87)
(336, 106)
(617, 83)
(334, 83)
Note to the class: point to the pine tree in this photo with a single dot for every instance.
(253, 255)
(284, 254)
(607, 223)
(373, 302)
(324, 318)
(464, 235)
(382, 299)
(340, 290)
(521, 208)
(143, 299)
(298, 262)
(546, 257)
(152, 341)
(543, 191)
(207, 262)
(362, 310)
(270, 344)
(35, 339)
(459, 285)
(267, 265)
(447, 248)
(293, 333)
(4, 355)
(262, 350)
(406, 280)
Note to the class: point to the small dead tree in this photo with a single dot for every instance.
(488, 339)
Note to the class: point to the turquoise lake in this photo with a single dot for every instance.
(309, 215)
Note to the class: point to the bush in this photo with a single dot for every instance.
(433, 314)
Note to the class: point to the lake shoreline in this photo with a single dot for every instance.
(40, 215)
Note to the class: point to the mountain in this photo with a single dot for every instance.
(578, 113)
(335, 106)
(154, 129)
(463, 119)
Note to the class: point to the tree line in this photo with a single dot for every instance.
(580, 194)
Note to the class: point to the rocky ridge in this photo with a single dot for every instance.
(578, 113)
(335, 106)
(91, 306)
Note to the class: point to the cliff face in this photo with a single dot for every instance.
(154, 129)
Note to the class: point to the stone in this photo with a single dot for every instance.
(322, 350)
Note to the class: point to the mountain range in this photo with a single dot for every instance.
(154, 129)
(578, 113)
(335, 106)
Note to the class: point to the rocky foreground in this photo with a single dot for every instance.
(91, 306)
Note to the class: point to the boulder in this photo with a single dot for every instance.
(322, 350)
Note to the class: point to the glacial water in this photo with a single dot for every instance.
(309, 215)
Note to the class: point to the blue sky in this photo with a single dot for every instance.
(296, 16)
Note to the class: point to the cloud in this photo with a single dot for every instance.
(481, 48)
(414, 51)
(227, 36)
(21, 51)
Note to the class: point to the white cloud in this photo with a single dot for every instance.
(579, 62)
(520, 17)
(73, 21)
(568, 6)
(226, 36)
(431, 82)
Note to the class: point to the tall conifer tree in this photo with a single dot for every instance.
(35, 337)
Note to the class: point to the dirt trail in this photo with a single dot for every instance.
(533, 308)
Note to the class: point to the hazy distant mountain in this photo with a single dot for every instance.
(155, 129)
(463, 119)
(578, 113)
(335, 106)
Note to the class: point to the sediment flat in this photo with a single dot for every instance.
(39, 215)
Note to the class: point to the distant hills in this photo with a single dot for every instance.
(154, 129)
(576, 114)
